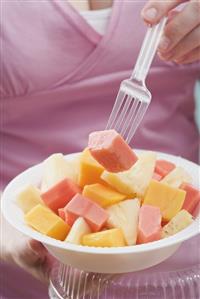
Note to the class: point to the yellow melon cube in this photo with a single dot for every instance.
(108, 238)
(28, 198)
(90, 170)
(168, 199)
(103, 195)
(46, 222)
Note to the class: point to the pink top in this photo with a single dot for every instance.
(60, 79)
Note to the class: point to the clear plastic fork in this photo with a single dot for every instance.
(134, 98)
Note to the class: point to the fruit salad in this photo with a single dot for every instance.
(108, 196)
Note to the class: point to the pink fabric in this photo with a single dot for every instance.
(60, 79)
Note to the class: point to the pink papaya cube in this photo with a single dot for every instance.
(157, 177)
(111, 151)
(192, 197)
(164, 167)
(61, 213)
(70, 218)
(149, 227)
(59, 195)
(96, 217)
(81, 206)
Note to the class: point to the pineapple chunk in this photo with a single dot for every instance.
(134, 181)
(176, 177)
(56, 168)
(28, 198)
(78, 230)
(177, 223)
(107, 238)
(125, 216)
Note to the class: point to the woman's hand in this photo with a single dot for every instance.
(29, 254)
(181, 40)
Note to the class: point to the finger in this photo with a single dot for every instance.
(172, 14)
(183, 23)
(186, 45)
(37, 247)
(153, 11)
(191, 57)
(26, 256)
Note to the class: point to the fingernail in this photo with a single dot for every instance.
(178, 61)
(164, 57)
(160, 56)
(164, 43)
(150, 13)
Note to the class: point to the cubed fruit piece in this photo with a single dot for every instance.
(57, 168)
(61, 213)
(134, 181)
(164, 167)
(28, 198)
(59, 195)
(156, 177)
(177, 223)
(96, 217)
(111, 150)
(90, 170)
(168, 199)
(192, 197)
(149, 227)
(108, 238)
(78, 230)
(46, 222)
(102, 195)
(81, 206)
(70, 218)
(125, 215)
(176, 177)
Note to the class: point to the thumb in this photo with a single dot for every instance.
(153, 11)
(29, 252)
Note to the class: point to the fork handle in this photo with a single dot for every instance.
(148, 50)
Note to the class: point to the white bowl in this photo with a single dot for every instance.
(102, 260)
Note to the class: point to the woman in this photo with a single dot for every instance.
(61, 73)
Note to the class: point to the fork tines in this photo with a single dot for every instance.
(126, 115)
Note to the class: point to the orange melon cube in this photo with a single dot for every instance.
(46, 222)
(170, 200)
(108, 238)
(103, 195)
(90, 170)
(111, 151)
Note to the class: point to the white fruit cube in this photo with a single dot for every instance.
(135, 181)
(125, 216)
(28, 198)
(176, 177)
(57, 168)
(78, 230)
(177, 223)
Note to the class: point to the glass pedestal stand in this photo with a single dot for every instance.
(69, 283)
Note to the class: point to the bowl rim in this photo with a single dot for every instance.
(190, 231)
